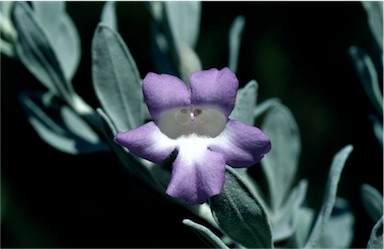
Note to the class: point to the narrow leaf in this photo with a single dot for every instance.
(36, 53)
(245, 103)
(339, 230)
(330, 195)
(372, 201)
(184, 21)
(108, 15)
(265, 106)
(235, 33)
(116, 79)
(62, 33)
(368, 76)
(284, 222)
(59, 126)
(240, 215)
(206, 233)
(374, 11)
(376, 238)
(280, 164)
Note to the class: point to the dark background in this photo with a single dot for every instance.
(297, 52)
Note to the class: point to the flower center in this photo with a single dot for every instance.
(207, 122)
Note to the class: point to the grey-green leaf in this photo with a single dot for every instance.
(329, 196)
(372, 201)
(339, 230)
(184, 21)
(206, 233)
(36, 53)
(240, 215)
(245, 103)
(284, 222)
(374, 11)
(376, 238)
(108, 15)
(116, 79)
(59, 126)
(280, 164)
(235, 33)
(368, 76)
(62, 33)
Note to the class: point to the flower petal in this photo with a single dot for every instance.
(241, 145)
(147, 142)
(197, 173)
(163, 92)
(214, 87)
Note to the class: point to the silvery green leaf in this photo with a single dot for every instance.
(280, 164)
(184, 21)
(235, 33)
(265, 106)
(206, 233)
(116, 79)
(189, 62)
(108, 15)
(59, 126)
(245, 103)
(329, 196)
(368, 76)
(131, 163)
(240, 215)
(62, 33)
(372, 201)
(374, 11)
(8, 32)
(338, 232)
(284, 222)
(378, 129)
(36, 53)
(306, 217)
(376, 238)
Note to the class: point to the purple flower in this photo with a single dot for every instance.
(195, 122)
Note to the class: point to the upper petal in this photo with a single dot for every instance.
(214, 87)
(163, 92)
(241, 145)
(147, 142)
(197, 173)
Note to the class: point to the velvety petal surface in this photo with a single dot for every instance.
(147, 142)
(163, 92)
(213, 87)
(197, 172)
(240, 144)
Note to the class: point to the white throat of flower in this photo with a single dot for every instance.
(186, 121)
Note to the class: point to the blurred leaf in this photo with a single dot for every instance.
(377, 129)
(189, 62)
(235, 33)
(306, 217)
(116, 79)
(284, 222)
(8, 32)
(59, 126)
(368, 76)
(215, 241)
(35, 52)
(372, 201)
(338, 232)
(130, 161)
(184, 21)
(280, 164)
(376, 238)
(265, 106)
(62, 33)
(245, 103)
(240, 215)
(108, 15)
(374, 11)
(330, 195)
